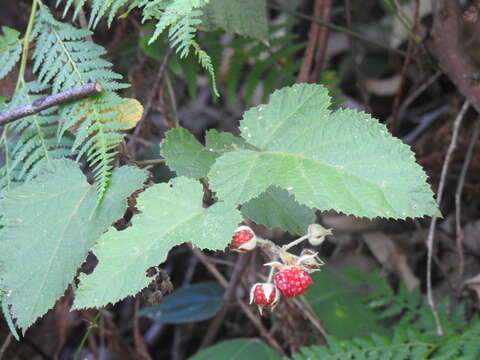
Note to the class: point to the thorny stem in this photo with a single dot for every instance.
(26, 44)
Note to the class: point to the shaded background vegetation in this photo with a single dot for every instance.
(411, 67)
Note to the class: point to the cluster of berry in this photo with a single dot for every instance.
(290, 275)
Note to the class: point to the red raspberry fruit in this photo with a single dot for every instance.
(244, 239)
(265, 295)
(292, 281)
(260, 298)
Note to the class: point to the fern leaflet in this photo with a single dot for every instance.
(10, 50)
(407, 308)
(463, 346)
(414, 336)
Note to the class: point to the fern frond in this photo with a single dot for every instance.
(405, 307)
(405, 344)
(35, 140)
(65, 59)
(182, 18)
(10, 50)
(253, 65)
(97, 136)
(463, 346)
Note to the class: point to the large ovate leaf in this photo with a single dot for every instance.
(195, 302)
(274, 208)
(343, 160)
(172, 213)
(237, 349)
(244, 17)
(51, 223)
(277, 208)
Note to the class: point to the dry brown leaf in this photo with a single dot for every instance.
(341, 223)
(471, 237)
(473, 284)
(391, 257)
(384, 87)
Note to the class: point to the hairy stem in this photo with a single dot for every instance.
(26, 44)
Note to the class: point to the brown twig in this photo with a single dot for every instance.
(149, 162)
(403, 72)
(458, 195)
(341, 29)
(210, 267)
(178, 351)
(151, 95)
(5, 345)
(310, 314)
(322, 42)
(415, 94)
(256, 321)
(246, 309)
(303, 74)
(227, 297)
(49, 101)
(431, 230)
(353, 56)
(140, 345)
(448, 48)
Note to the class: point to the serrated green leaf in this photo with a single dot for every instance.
(185, 155)
(197, 302)
(246, 18)
(277, 208)
(8, 319)
(51, 224)
(237, 349)
(343, 160)
(172, 213)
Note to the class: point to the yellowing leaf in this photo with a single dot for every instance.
(129, 112)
